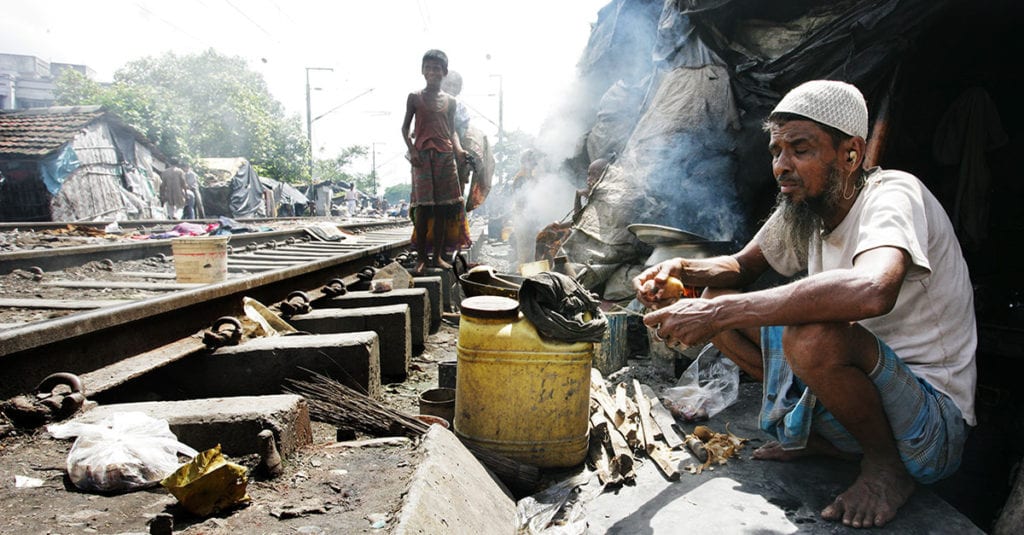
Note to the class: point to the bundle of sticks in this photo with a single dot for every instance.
(334, 403)
(621, 424)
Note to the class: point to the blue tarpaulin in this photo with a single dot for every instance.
(56, 168)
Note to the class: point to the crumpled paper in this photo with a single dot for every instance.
(208, 484)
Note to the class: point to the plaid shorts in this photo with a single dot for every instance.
(929, 429)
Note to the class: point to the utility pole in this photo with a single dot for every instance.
(309, 128)
(501, 106)
(373, 160)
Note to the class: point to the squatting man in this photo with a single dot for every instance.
(869, 356)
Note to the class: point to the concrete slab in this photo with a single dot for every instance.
(260, 366)
(449, 286)
(451, 492)
(433, 286)
(746, 495)
(232, 422)
(416, 298)
(390, 322)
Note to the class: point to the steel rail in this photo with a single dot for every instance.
(89, 340)
(57, 258)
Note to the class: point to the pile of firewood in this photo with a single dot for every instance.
(622, 424)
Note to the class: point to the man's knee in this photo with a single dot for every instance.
(813, 345)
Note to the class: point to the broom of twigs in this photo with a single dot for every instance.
(334, 403)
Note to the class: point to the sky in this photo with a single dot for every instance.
(362, 57)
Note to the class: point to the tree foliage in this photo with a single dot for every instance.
(201, 105)
(334, 169)
(397, 193)
(147, 109)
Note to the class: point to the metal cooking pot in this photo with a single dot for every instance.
(656, 235)
(696, 249)
(483, 280)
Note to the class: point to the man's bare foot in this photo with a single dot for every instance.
(442, 264)
(874, 497)
(772, 451)
(420, 266)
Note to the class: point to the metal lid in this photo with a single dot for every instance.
(490, 307)
(661, 235)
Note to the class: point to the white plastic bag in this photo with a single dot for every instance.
(710, 383)
(126, 451)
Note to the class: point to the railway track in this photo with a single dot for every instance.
(162, 320)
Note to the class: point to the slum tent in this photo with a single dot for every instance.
(232, 188)
(677, 93)
(285, 196)
(75, 164)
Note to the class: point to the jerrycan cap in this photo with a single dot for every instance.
(490, 307)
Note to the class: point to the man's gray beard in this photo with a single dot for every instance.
(800, 220)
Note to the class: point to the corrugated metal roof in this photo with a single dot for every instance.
(34, 133)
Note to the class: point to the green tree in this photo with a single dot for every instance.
(397, 193)
(147, 109)
(335, 169)
(221, 108)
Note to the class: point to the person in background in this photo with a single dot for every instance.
(550, 238)
(352, 200)
(871, 354)
(438, 208)
(192, 184)
(173, 191)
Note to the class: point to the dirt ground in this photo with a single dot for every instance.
(326, 488)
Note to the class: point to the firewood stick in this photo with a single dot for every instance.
(662, 459)
(617, 420)
(643, 406)
(664, 419)
(626, 409)
(654, 449)
(622, 454)
(598, 452)
(697, 447)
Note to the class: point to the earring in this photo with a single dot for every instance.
(852, 193)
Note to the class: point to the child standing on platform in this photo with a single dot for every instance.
(437, 206)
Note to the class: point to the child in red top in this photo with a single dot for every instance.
(437, 206)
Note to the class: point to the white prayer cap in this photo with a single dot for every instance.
(836, 104)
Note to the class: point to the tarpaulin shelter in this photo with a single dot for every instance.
(76, 163)
(233, 189)
(679, 91)
(284, 195)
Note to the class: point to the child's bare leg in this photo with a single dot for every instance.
(440, 229)
(422, 219)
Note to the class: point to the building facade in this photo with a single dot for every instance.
(29, 82)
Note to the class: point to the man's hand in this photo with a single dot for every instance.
(414, 158)
(659, 286)
(687, 322)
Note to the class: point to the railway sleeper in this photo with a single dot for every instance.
(417, 298)
(390, 322)
(232, 422)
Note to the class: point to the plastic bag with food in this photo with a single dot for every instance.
(710, 384)
(125, 451)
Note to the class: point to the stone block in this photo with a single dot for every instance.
(390, 322)
(261, 366)
(232, 422)
(416, 298)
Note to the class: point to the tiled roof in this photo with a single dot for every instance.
(37, 132)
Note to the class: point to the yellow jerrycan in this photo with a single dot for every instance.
(517, 394)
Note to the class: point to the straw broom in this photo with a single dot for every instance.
(334, 403)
